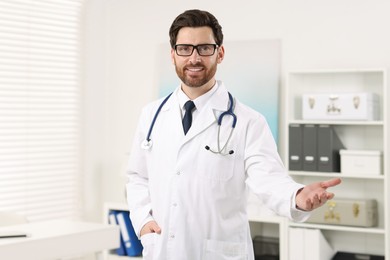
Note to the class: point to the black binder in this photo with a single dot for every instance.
(295, 147)
(329, 146)
(310, 147)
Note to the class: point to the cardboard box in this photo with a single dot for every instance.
(347, 212)
(361, 162)
(341, 106)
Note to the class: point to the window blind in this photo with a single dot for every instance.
(40, 108)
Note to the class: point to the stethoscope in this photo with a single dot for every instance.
(148, 143)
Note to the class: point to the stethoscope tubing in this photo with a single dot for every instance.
(155, 117)
(229, 112)
(148, 142)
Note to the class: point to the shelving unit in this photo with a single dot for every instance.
(110, 255)
(358, 135)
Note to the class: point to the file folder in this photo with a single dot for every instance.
(317, 248)
(295, 147)
(113, 221)
(308, 244)
(132, 244)
(296, 243)
(310, 147)
(329, 146)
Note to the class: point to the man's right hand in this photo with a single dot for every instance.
(150, 227)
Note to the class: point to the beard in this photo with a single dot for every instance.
(199, 80)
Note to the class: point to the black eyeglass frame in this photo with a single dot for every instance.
(196, 47)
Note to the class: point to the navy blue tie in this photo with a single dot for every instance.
(187, 120)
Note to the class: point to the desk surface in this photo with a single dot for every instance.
(56, 239)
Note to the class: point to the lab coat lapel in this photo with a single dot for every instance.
(209, 114)
(173, 113)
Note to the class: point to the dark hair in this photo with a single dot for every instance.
(195, 18)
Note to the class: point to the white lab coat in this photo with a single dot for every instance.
(198, 198)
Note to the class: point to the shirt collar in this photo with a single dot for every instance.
(200, 101)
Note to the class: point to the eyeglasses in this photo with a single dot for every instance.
(202, 49)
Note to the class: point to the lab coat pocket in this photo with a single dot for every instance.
(148, 241)
(223, 250)
(218, 167)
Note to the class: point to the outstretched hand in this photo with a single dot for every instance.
(315, 195)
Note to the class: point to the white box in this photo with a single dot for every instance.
(361, 162)
(341, 106)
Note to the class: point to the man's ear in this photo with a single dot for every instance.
(221, 54)
(173, 56)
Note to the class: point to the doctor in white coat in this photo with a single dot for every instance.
(187, 192)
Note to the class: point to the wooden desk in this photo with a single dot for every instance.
(58, 239)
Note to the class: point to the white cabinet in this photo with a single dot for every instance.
(355, 135)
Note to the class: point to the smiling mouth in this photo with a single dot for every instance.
(195, 69)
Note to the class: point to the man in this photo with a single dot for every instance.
(187, 188)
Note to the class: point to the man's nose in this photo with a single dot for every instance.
(195, 57)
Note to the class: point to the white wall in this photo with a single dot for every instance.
(122, 37)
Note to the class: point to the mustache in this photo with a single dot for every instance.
(195, 65)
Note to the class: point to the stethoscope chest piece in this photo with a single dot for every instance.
(146, 144)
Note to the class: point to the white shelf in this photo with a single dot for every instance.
(267, 219)
(336, 175)
(340, 228)
(338, 122)
(339, 71)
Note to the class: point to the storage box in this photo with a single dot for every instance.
(356, 256)
(361, 162)
(347, 212)
(342, 106)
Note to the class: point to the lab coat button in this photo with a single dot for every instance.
(172, 236)
(178, 173)
(174, 204)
